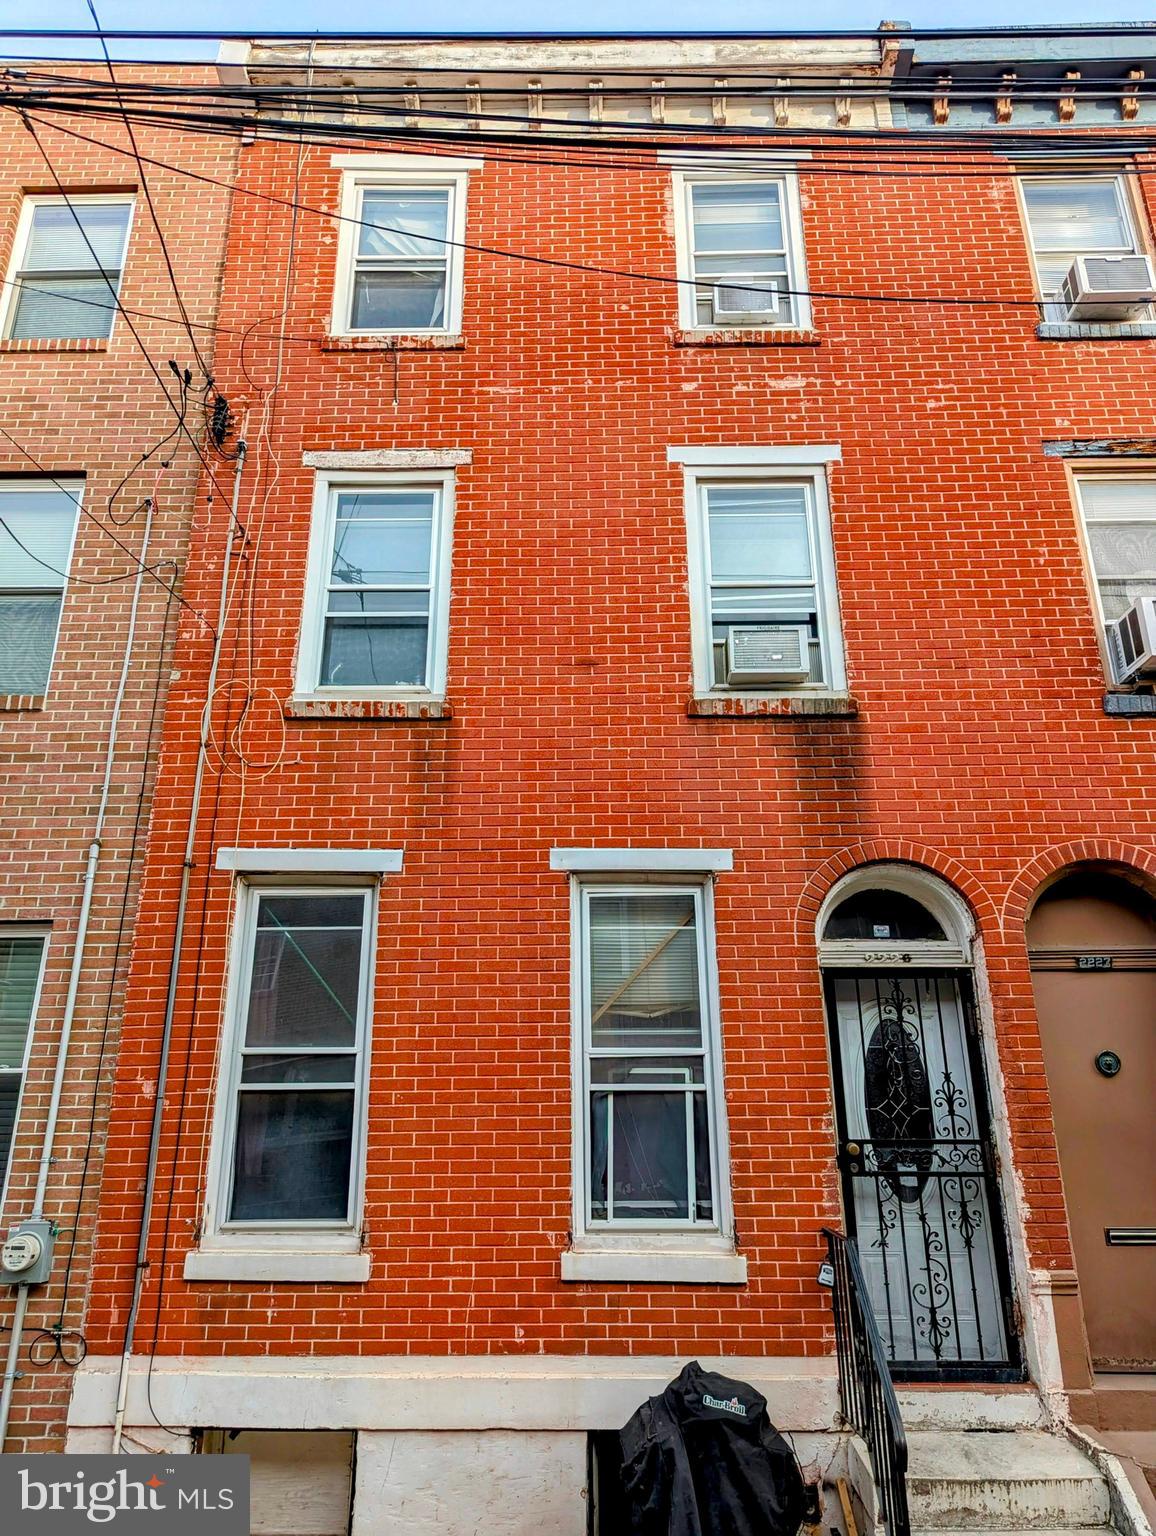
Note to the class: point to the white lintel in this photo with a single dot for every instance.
(311, 861)
(724, 159)
(387, 458)
(757, 453)
(403, 162)
(642, 861)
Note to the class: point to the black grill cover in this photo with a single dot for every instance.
(704, 1460)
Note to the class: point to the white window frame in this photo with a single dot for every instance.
(1128, 210)
(800, 302)
(791, 468)
(31, 202)
(424, 174)
(73, 488)
(1079, 478)
(638, 1237)
(327, 487)
(332, 1236)
(44, 934)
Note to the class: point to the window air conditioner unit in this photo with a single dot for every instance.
(768, 653)
(733, 304)
(1132, 642)
(1109, 288)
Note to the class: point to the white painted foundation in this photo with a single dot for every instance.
(438, 1483)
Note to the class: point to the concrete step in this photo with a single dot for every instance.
(1095, 1530)
(938, 1407)
(1001, 1481)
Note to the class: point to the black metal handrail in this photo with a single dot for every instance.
(866, 1393)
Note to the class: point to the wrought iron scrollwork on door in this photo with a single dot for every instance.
(921, 1181)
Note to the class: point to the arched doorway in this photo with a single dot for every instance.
(1092, 940)
(916, 1157)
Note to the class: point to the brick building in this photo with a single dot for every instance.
(669, 790)
(96, 480)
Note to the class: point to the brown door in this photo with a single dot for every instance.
(1093, 949)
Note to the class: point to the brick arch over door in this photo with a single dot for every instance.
(1029, 883)
(891, 850)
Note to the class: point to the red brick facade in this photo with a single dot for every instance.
(91, 409)
(980, 748)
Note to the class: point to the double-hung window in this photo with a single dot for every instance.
(740, 252)
(378, 594)
(21, 965)
(400, 253)
(764, 604)
(292, 1135)
(37, 526)
(1119, 515)
(649, 1061)
(1070, 217)
(66, 267)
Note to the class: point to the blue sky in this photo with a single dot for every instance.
(543, 15)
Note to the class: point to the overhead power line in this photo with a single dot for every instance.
(892, 152)
(201, 364)
(708, 34)
(41, 469)
(172, 111)
(986, 302)
(178, 412)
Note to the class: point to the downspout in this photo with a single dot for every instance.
(174, 973)
(82, 922)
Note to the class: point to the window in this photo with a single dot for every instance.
(66, 267)
(764, 601)
(400, 253)
(37, 524)
(740, 252)
(1120, 530)
(21, 964)
(1067, 218)
(649, 1061)
(294, 1119)
(377, 605)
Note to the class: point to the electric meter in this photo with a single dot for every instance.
(26, 1257)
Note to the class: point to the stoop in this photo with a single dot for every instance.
(1024, 1480)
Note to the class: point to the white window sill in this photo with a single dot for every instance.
(658, 1266)
(1090, 330)
(266, 1266)
(335, 706)
(732, 704)
(393, 341)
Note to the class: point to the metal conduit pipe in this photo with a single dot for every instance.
(174, 973)
(82, 922)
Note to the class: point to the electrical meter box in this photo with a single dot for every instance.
(26, 1256)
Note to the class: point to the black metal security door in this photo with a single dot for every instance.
(918, 1171)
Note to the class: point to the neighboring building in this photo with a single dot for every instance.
(88, 445)
(668, 729)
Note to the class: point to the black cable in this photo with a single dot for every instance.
(142, 460)
(1080, 29)
(595, 269)
(630, 134)
(891, 149)
(85, 581)
(186, 1074)
(121, 933)
(92, 517)
(614, 82)
(969, 87)
(30, 125)
(223, 97)
(149, 200)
